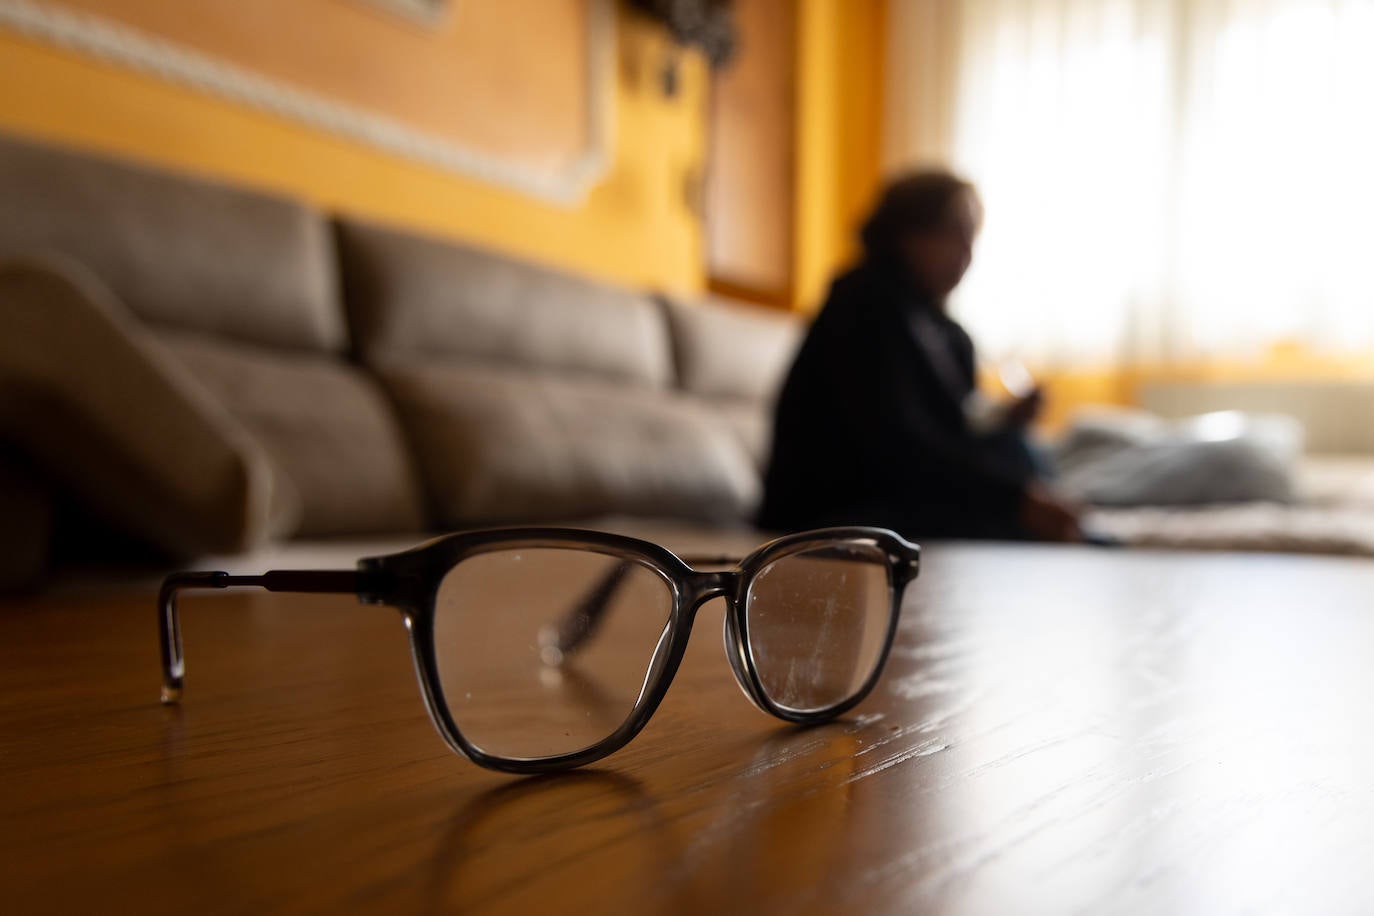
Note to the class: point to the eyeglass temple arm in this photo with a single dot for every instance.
(583, 619)
(341, 582)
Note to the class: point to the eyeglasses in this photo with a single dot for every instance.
(544, 649)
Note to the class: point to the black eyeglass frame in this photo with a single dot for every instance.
(410, 580)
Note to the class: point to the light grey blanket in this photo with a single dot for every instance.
(1128, 458)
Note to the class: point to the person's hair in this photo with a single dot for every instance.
(913, 204)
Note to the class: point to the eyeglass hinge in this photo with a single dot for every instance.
(379, 585)
(374, 585)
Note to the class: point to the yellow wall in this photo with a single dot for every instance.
(637, 226)
(839, 103)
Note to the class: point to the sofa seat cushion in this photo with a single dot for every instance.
(176, 250)
(503, 445)
(323, 422)
(752, 425)
(415, 298)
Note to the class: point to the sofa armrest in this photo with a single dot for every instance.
(125, 431)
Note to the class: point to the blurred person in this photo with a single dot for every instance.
(880, 422)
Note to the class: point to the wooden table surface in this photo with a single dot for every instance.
(1060, 730)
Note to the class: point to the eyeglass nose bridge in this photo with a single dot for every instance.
(707, 586)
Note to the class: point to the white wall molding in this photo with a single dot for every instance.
(119, 44)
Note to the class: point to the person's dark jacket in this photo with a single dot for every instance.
(870, 425)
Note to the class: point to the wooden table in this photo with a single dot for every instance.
(1060, 730)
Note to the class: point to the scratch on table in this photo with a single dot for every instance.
(925, 749)
(803, 747)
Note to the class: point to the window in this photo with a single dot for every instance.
(1163, 178)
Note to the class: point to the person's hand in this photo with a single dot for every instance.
(1026, 408)
(1047, 516)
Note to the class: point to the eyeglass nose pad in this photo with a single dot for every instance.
(734, 651)
(662, 651)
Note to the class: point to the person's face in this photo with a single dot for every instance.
(938, 259)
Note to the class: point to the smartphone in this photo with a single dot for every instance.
(1015, 377)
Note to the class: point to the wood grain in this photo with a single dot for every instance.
(1060, 730)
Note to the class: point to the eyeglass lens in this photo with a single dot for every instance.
(502, 694)
(817, 622)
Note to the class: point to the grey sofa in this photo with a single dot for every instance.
(207, 369)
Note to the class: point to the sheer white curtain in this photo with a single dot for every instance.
(1163, 178)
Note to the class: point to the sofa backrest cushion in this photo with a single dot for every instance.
(501, 444)
(177, 251)
(413, 298)
(729, 350)
(734, 358)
